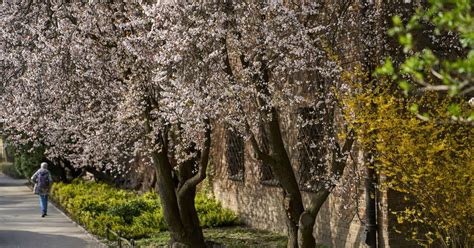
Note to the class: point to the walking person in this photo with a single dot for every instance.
(43, 181)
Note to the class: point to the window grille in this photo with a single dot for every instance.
(235, 154)
(310, 149)
(266, 174)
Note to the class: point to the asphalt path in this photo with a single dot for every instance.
(21, 224)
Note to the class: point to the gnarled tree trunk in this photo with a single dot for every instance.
(177, 199)
(300, 220)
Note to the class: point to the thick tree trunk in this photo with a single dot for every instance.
(186, 204)
(178, 205)
(169, 201)
(293, 209)
(190, 219)
(283, 171)
(178, 199)
(179, 209)
(308, 218)
(300, 222)
(305, 231)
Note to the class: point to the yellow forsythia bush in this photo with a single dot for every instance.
(429, 161)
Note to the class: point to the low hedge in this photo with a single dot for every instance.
(98, 205)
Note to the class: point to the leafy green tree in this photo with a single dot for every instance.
(27, 159)
(438, 42)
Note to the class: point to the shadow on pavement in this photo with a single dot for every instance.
(8, 201)
(26, 239)
(13, 184)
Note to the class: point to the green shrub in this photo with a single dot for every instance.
(211, 213)
(152, 219)
(27, 159)
(129, 210)
(98, 206)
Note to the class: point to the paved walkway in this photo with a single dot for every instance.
(21, 224)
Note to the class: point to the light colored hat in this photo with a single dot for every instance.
(44, 165)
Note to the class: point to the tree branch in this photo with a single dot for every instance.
(204, 160)
(339, 163)
(341, 154)
(267, 159)
(317, 201)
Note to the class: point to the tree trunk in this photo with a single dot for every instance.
(190, 219)
(74, 172)
(283, 171)
(308, 218)
(178, 199)
(293, 209)
(305, 232)
(187, 208)
(169, 201)
(178, 208)
(299, 222)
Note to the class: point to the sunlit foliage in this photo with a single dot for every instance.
(438, 41)
(429, 162)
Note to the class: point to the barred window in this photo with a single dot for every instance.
(266, 174)
(235, 155)
(310, 149)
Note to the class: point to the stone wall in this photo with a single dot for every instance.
(340, 222)
(261, 206)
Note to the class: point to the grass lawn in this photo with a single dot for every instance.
(231, 237)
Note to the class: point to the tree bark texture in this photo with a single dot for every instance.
(178, 199)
